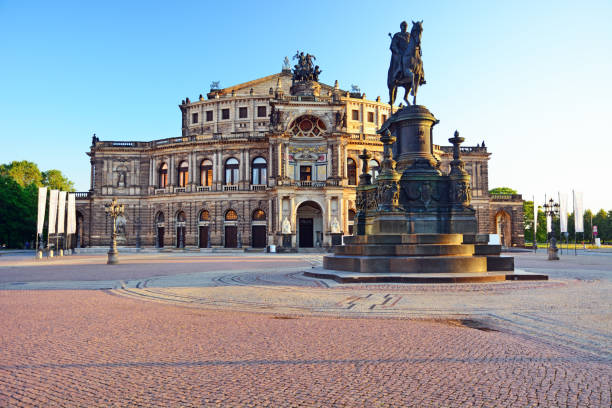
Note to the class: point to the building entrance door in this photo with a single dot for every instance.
(306, 233)
(258, 234)
(231, 236)
(180, 236)
(203, 236)
(160, 237)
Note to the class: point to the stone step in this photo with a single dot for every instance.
(441, 239)
(500, 263)
(404, 264)
(406, 250)
(356, 277)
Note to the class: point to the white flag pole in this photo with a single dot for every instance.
(71, 222)
(53, 195)
(40, 222)
(574, 209)
(61, 216)
(535, 225)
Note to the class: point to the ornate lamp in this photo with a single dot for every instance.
(114, 210)
(551, 209)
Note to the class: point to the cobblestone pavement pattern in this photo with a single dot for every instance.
(311, 342)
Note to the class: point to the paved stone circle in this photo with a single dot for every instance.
(251, 330)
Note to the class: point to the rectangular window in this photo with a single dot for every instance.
(261, 111)
(209, 116)
(194, 118)
(371, 117)
(242, 113)
(384, 118)
(225, 113)
(305, 173)
(355, 114)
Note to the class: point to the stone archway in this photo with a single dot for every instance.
(309, 223)
(503, 227)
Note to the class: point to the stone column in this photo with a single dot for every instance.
(247, 168)
(171, 172)
(286, 161)
(344, 161)
(270, 170)
(329, 161)
(279, 168)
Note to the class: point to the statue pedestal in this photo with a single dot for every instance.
(305, 88)
(426, 231)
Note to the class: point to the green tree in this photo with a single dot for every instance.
(23, 172)
(54, 179)
(17, 212)
(503, 190)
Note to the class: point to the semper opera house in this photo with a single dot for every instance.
(266, 162)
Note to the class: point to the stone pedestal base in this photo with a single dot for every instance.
(113, 257)
(553, 254)
(305, 88)
(419, 258)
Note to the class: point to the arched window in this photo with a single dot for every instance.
(260, 168)
(259, 215)
(159, 219)
(163, 175)
(183, 174)
(231, 171)
(374, 169)
(231, 215)
(351, 168)
(180, 217)
(306, 126)
(206, 173)
(204, 215)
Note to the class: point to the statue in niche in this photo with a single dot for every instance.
(121, 227)
(335, 226)
(121, 179)
(286, 226)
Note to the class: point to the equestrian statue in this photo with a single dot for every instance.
(406, 68)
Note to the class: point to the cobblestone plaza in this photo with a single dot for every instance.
(250, 330)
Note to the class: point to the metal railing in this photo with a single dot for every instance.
(202, 188)
(310, 184)
(230, 187)
(81, 195)
(258, 187)
(506, 197)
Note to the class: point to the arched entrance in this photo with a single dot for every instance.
(309, 219)
(231, 229)
(180, 229)
(258, 229)
(203, 229)
(503, 223)
(159, 230)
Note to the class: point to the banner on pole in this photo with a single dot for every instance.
(548, 223)
(61, 212)
(71, 221)
(578, 212)
(42, 202)
(53, 194)
(535, 217)
(563, 212)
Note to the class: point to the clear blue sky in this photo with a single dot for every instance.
(531, 78)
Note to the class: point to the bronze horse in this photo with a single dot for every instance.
(411, 74)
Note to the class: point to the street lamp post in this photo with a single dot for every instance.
(551, 209)
(114, 210)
